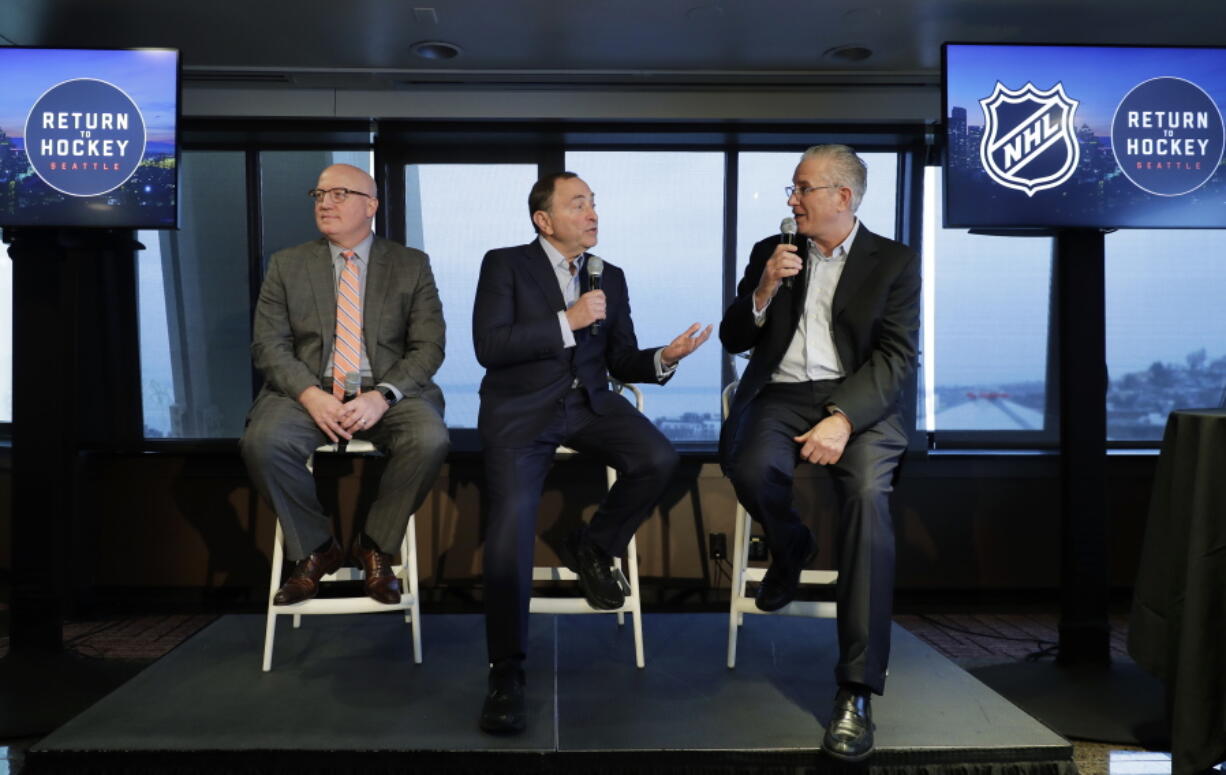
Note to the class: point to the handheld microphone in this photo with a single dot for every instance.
(595, 270)
(353, 381)
(787, 236)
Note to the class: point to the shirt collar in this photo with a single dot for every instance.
(841, 250)
(361, 250)
(558, 260)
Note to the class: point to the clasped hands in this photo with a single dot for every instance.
(340, 420)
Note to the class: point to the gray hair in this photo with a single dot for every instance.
(847, 168)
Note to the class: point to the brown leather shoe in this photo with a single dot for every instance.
(303, 581)
(380, 583)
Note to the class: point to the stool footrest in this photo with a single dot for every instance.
(340, 605)
(570, 605)
(356, 574)
(806, 576)
(818, 609)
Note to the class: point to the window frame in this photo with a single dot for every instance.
(545, 143)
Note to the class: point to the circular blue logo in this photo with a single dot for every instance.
(85, 137)
(1167, 136)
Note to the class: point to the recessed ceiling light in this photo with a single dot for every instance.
(435, 49)
(848, 53)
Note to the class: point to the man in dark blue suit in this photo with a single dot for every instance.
(549, 342)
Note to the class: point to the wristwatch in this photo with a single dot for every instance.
(388, 395)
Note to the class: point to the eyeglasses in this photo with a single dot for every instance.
(335, 195)
(804, 191)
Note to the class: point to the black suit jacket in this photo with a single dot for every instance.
(875, 317)
(518, 341)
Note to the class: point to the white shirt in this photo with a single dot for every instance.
(811, 355)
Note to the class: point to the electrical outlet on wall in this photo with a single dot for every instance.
(757, 549)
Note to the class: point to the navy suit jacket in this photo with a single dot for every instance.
(875, 321)
(518, 341)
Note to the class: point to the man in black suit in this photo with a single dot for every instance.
(833, 325)
(549, 342)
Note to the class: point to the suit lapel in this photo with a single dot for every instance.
(861, 260)
(536, 263)
(322, 277)
(378, 274)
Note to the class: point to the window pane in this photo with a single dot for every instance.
(439, 220)
(195, 311)
(986, 320)
(673, 259)
(762, 205)
(6, 337)
(1166, 333)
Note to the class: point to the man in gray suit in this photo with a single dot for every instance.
(397, 337)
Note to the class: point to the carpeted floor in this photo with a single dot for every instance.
(980, 642)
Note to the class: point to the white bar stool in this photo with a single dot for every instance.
(740, 603)
(410, 601)
(627, 569)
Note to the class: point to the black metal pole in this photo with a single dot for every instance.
(1081, 316)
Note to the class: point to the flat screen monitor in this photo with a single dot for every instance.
(1083, 136)
(89, 138)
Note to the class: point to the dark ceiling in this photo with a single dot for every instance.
(642, 43)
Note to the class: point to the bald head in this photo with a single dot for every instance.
(357, 177)
(349, 222)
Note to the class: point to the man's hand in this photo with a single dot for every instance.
(586, 310)
(689, 341)
(363, 412)
(784, 262)
(823, 443)
(325, 410)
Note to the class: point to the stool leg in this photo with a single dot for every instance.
(740, 560)
(636, 609)
(621, 615)
(270, 623)
(409, 566)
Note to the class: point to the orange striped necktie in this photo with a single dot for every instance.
(347, 354)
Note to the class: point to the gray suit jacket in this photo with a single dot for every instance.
(402, 320)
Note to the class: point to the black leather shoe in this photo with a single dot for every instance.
(849, 737)
(303, 581)
(503, 711)
(596, 577)
(782, 578)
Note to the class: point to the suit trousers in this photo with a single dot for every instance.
(624, 439)
(281, 436)
(763, 460)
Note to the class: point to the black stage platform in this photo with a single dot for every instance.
(345, 696)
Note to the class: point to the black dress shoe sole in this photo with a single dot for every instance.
(502, 727)
(844, 757)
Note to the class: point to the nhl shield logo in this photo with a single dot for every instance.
(1028, 142)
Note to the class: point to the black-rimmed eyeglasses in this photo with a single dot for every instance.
(335, 195)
